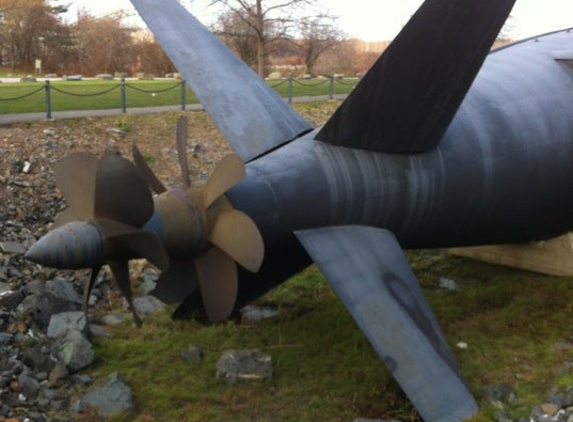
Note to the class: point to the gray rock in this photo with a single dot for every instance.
(4, 287)
(5, 338)
(253, 314)
(49, 394)
(42, 305)
(63, 289)
(244, 366)
(447, 284)
(29, 386)
(10, 299)
(545, 412)
(150, 277)
(34, 286)
(75, 351)
(564, 399)
(99, 331)
(118, 132)
(72, 78)
(499, 394)
(12, 248)
(564, 345)
(114, 319)
(146, 305)
(192, 354)
(37, 359)
(113, 398)
(63, 322)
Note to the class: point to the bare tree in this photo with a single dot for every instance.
(240, 37)
(318, 35)
(28, 31)
(102, 44)
(269, 20)
(150, 57)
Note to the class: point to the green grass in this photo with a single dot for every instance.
(324, 368)
(93, 95)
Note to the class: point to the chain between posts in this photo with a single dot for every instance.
(123, 85)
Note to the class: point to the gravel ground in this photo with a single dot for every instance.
(31, 388)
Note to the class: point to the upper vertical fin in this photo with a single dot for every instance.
(253, 117)
(408, 98)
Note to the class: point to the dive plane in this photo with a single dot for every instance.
(442, 143)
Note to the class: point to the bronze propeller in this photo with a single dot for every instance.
(109, 203)
(202, 233)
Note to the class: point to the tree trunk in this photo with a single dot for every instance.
(261, 53)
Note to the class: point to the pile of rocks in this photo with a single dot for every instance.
(558, 408)
(44, 344)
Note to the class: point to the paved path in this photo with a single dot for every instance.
(6, 119)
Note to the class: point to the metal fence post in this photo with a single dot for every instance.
(331, 87)
(183, 94)
(290, 79)
(48, 100)
(123, 96)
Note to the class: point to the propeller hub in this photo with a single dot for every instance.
(75, 245)
(184, 221)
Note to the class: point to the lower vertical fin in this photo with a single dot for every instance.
(370, 274)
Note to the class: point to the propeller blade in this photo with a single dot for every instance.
(143, 244)
(120, 192)
(76, 177)
(88, 286)
(218, 279)
(227, 174)
(192, 306)
(111, 229)
(237, 235)
(146, 173)
(120, 270)
(181, 135)
(178, 283)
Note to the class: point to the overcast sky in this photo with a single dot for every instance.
(374, 20)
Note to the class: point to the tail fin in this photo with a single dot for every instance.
(408, 98)
(252, 116)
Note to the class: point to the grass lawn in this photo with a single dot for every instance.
(96, 94)
(324, 368)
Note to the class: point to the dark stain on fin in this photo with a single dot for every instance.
(408, 98)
